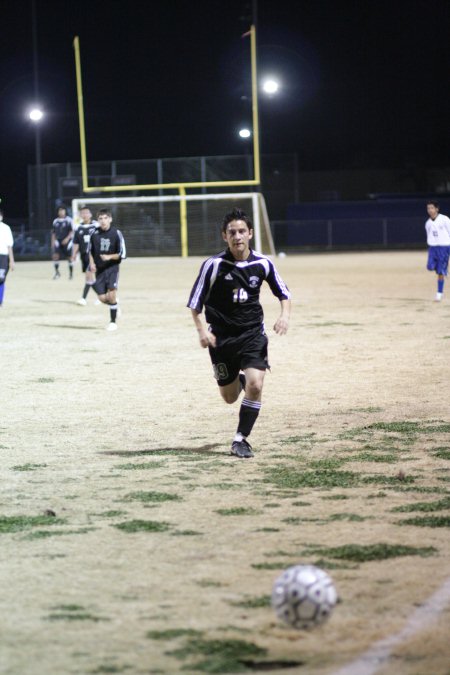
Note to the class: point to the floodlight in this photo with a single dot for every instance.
(35, 114)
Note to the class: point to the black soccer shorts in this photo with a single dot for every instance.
(107, 280)
(63, 251)
(234, 353)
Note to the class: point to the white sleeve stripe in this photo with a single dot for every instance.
(282, 286)
(201, 283)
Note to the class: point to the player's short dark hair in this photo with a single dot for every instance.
(236, 214)
(434, 202)
(85, 208)
(104, 212)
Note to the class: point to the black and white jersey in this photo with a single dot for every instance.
(107, 242)
(229, 291)
(62, 227)
(83, 235)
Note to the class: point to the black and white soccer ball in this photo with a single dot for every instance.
(303, 596)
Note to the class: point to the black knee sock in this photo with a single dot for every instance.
(86, 290)
(248, 414)
(113, 312)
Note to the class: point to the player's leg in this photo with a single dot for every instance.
(112, 302)
(442, 253)
(88, 280)
(4, 265)
(55, 258)
(254, 364)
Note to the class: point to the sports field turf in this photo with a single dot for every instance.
(132, 542)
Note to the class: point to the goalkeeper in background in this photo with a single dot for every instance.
(62, 239)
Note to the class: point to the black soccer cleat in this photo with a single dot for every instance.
(241, 449)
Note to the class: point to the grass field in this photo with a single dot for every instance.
(132, 542)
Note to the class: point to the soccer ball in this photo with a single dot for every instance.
(303, 596)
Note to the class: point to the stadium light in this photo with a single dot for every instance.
(245, 133)
(270, 86)
(36, 114)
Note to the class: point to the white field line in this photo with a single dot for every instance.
(377, 655)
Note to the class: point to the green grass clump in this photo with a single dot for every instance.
(365, 553)
(352, 517)
(152, 497)
(254, 603)
(28, 467)
(131, 526)
(172, 633)
(290, 477)
(427, 521)
(237, 511)
(438, 505)
(270, 566)
(185, 533)
(71, 612)
(442, 453)
(18, 523)
(222, 656)
(129, 466)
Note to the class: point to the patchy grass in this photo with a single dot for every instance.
(71, 612)
(253, 603)
(290, 477)
(44, 534)
(365, 553)
(152, 497)
(426, 521)
(143, 466)
(238, 511)
(172, 633)
(222, 656)
(19, 523)
(441, 453)
(352, 517)
(28, 467)
(438, 505)
(185, 533)
(131, 526)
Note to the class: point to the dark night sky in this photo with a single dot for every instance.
(366, 83)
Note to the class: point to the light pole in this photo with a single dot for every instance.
(36, 115)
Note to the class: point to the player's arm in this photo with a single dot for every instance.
(75, 249)
(206, 338)
(110, 256)
(11, 258)
(282, 323)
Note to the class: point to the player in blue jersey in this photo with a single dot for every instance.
(106, 252)
(228, 288)
(81, 242)
(62, 236)
(438, 239)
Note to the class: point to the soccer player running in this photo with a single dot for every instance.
(81, 241)
(6, 254)
(62, 239)
(228, 287)
(438, 240)
(106, 252)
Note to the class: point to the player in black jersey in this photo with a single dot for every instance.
(62, 236)
(81, 241)
(107, 250)
(228, 287)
